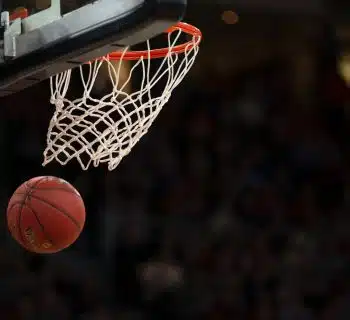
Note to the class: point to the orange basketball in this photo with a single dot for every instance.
(46, 214)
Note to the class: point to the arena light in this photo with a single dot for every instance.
(229, 17)
(344, 67)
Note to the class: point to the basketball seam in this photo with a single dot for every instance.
(53, 189)
(27, 185)
(24, 242)
(21, 204)
(37, 183)
(21, 211)
(19, 222)
(14, 204)
(40, 224)
(58, 209)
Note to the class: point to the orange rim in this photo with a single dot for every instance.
(161, 53)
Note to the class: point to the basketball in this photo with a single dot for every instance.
(45, 215)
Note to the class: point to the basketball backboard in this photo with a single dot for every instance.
(58, 35)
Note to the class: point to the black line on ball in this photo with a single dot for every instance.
(21, 204)
(35, 184)
(58, 209)
(19, 223)
(55, 189)
(40, 224)
(14, 204)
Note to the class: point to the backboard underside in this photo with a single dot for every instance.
(49, 42)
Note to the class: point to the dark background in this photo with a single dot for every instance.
(232, 207)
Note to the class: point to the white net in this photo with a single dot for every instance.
(96, 131)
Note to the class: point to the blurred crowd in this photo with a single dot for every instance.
(232, 207)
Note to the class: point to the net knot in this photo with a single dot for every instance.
(58, 102)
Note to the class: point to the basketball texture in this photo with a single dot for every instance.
(46, 214)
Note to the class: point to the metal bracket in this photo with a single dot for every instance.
(11, 32)
(14, 28)
(43, 17)
(47, 43)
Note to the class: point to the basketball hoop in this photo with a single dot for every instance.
(96, 131)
